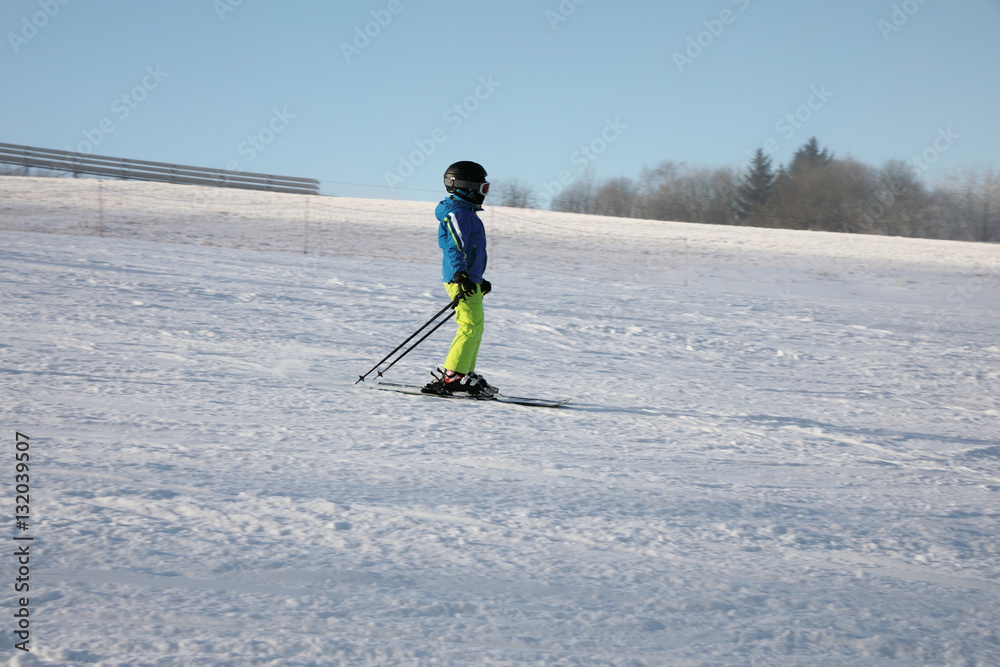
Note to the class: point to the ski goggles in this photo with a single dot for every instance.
(482, 188)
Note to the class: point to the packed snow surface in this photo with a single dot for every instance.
(783, 447)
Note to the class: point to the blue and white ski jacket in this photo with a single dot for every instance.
(462, 239)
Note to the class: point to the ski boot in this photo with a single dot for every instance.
(487, 388)
(451, 382)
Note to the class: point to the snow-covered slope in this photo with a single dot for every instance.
(783, 448)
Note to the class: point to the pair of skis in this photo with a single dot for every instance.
(415, 389)
(498, 397)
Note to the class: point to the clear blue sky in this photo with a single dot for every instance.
(885, 79)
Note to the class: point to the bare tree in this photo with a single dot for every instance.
(898, 204)
(970, 202)
(617, 197)
(577, 197)
(673, 191)
(515, 194)
(720, 191)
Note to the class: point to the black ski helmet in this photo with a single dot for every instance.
(467, 180)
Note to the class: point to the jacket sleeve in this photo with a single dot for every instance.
(458, 226)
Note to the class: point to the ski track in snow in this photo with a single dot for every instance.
(794, 460)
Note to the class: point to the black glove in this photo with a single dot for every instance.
(486, 286)
(465, 285)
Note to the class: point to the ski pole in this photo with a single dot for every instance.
(361, 378)
(436, 327)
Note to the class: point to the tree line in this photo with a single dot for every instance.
(814, 191)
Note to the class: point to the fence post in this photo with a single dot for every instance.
(305, 240)
(100, 208)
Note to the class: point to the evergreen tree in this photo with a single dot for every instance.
(817, 192)
(810, 156)
(756, 186)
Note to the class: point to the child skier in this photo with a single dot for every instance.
(462, 239)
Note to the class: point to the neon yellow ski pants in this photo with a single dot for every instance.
(465, 346)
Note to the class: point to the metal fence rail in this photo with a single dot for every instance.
(142, 170)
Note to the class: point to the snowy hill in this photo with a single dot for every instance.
(783, 447)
